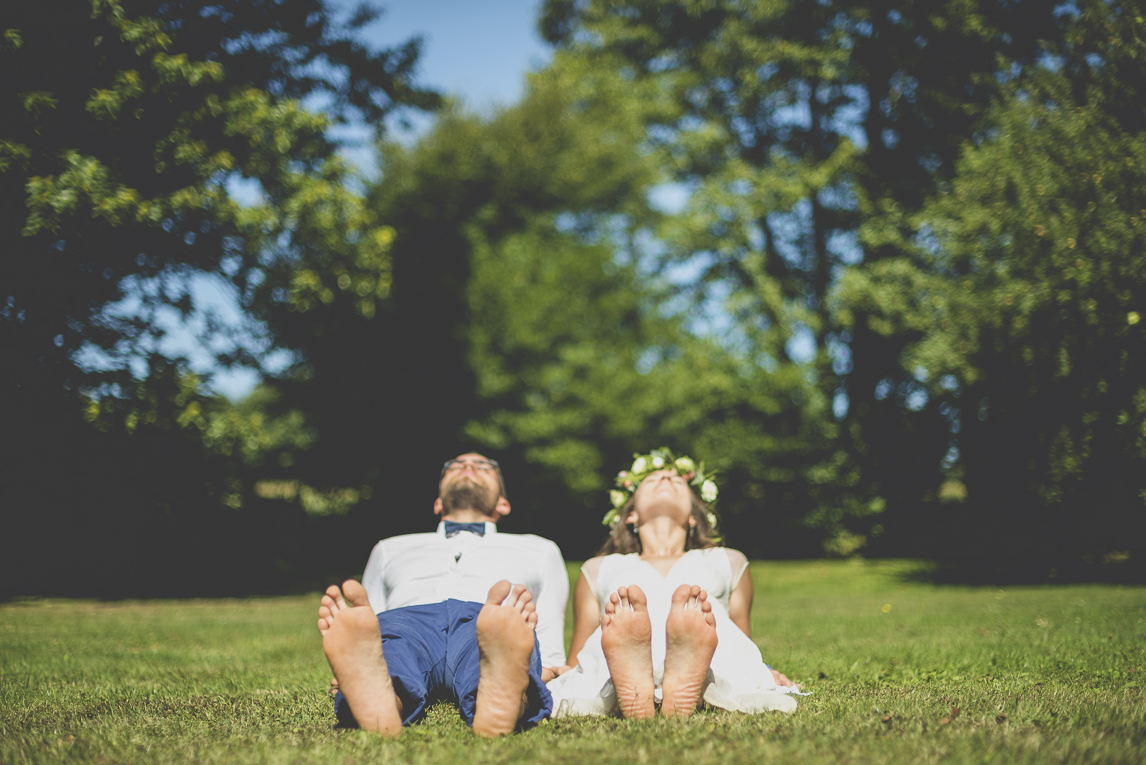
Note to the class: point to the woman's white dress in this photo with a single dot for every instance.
(738, 679)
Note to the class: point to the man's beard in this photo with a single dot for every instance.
(469, 495)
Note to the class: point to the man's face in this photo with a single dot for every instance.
(470, 481)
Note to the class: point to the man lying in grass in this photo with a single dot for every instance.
(436, 617)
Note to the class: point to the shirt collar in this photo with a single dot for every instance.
(490, 529)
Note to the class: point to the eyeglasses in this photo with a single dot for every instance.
(480, 465)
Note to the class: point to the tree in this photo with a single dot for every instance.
(390, 391)
(126, 126)
(1020, 288)
(791, 123)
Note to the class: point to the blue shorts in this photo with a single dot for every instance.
(432, 654)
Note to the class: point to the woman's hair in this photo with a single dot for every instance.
(624, 538)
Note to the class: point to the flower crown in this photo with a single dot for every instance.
(646, 464)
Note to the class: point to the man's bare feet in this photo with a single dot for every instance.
(353, 646)
(690, 633)
(626, 638)
(505, 642)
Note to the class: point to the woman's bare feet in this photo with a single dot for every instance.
(505, 642)
(626, 638)
(353, 646)
(691, 640)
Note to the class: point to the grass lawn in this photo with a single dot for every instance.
(900, 672)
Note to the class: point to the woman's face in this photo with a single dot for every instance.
(663, 493)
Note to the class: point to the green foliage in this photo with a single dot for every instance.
(501, 286)
(555, 342)
(1036, 674)
(118, 166)
(1022, 284)
(128, 125)
(791, 124)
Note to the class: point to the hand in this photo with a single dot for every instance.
(333, 685)
(782, 680)
(548, 673)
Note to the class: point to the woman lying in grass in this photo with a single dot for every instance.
(662, 614)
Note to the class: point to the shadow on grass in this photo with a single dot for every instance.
(982, 571)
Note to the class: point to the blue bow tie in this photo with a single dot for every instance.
(453, 528)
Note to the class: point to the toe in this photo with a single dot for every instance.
(680, 596)
(355, 593)
(498, 593)
(516, 599)
(334, 594)
(637, 598)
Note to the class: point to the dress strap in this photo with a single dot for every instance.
(592, 569)
(738, 564)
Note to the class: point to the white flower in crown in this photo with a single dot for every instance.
(618, 498)
(639, 465)
(658, 462)
(708, 491)
(684, 465)
(712, 520)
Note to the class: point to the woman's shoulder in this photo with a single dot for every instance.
(591, 569)
(737, 564)
(593, 565)
(735, 560)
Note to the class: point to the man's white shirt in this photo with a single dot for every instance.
(416, 569)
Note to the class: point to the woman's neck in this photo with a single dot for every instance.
(662, 538)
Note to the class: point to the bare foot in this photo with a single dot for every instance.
(626, 638)
(334, 600)
(505, 643)
(353, 646)
(690, 642)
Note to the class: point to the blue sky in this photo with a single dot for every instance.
(476, 52)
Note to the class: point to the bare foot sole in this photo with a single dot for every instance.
(626, 639)
(505, 642)
(691, 641)
(353, 646)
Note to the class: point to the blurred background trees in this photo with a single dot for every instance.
(897, 301)
(127, 128)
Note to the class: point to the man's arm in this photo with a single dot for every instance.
(373, 579)
(550, 600)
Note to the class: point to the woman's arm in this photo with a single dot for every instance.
(740, 607)
(586, 617)
(740, 603)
